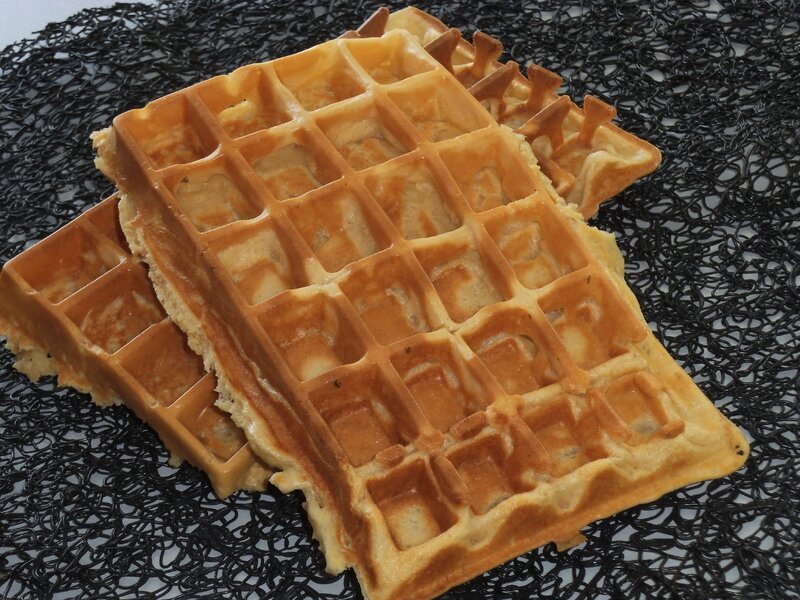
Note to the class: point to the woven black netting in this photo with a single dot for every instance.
(88, 507)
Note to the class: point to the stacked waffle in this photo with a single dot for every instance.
(586, 157)
(80, 306)
(45, 342)
(404, 317)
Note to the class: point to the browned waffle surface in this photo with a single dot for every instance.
(588, 158)
(423, 338)
(288, 171)
(79, 306)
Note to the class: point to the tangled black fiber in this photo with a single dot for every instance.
(88, 507)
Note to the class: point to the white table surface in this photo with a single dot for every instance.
(22, 18)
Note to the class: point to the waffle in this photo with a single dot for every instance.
(404, 317)
(79, 306)
(588, 158)
(34, 345)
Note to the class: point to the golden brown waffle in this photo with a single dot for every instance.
(404, 317)
(79, 306)
(588, 158)
(32, 353)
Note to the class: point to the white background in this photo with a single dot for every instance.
(21, 18)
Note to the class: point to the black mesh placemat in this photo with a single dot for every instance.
(88, 507)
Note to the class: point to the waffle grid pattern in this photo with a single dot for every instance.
(93, 257)
(342, 343)
(587, 157)
(82, 295)
(310, 343)
(67, 460)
